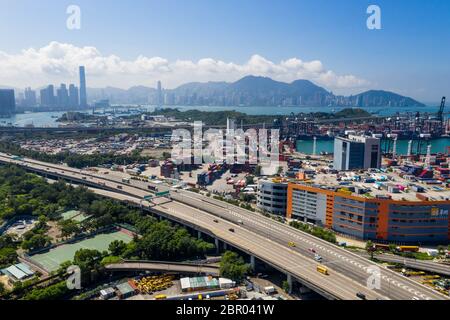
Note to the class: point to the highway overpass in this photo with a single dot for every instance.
(260, 237)
(166, 267)
(424, 265)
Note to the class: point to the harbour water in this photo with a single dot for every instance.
(437, 145)
(48, 119)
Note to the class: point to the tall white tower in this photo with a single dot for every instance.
(314, 146)
(159, 95)
(394, 148)
(409, 148)
(428, 158)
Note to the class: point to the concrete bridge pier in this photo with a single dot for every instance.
(217, 244)
(252, 263)
(225, 247)
(289, 280)
(199, 234)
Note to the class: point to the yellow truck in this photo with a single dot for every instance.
(322, 269)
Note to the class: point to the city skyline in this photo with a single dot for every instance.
(325, 42)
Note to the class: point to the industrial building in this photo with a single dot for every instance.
(199, 284)
(126, 290)
(272, 196)
(376, 216)
(18, 272)
(205, 283)
(356, 152)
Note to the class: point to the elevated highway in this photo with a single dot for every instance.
(260, 237)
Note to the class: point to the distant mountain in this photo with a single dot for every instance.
(380, 98)
(250, 91)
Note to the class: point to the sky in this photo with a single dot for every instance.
(138, 42)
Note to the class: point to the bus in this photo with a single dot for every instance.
(323, 270)
(160, 297)
(380, 246)
(408, 248)
(126, 180)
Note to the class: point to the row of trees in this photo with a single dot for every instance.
(319, 232)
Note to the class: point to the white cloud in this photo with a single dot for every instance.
(58, 62)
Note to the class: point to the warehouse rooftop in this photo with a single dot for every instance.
(376, 183)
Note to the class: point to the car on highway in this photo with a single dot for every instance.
(291, 244)
(240, 222)
(361, 295)
(231, 230)
(317, 257)
(312, 250)
(119, 187)
(216, 221)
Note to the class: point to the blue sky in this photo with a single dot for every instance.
(409, 55)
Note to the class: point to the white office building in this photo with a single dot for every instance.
(272, 196)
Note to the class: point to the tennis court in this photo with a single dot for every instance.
(74, 215)
(52, 259)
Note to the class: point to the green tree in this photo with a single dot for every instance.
(285, 286)
(37, 241)
(392, 247)
(370, 248)
(117, 247)
(7, 256)
(110, 260)
(441, 249)
(233, 266)
(89, 262)
(69, 228)
(87, 259)
(53, 292)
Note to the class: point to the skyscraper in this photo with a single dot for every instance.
(63, 96)
(48, 97)
(159, 95)
(30, 97)
(83, 95)
(74, 101)
(7, 102)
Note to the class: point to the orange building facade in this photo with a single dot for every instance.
(379, 219)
